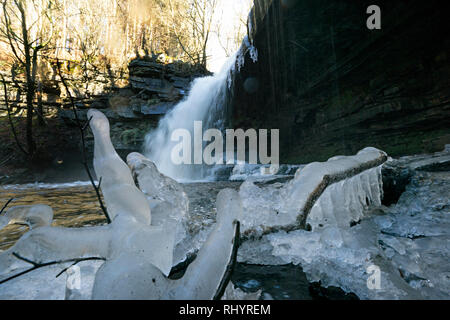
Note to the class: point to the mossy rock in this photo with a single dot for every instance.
(131, 136)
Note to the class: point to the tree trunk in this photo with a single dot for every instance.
(40, 106)
(30, 71)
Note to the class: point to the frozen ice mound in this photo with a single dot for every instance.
(42, 284)
(318, 196)
(341, 257)
(168, 202)
(170, 207)
(156, 185)
(33, 216)
(137, 250)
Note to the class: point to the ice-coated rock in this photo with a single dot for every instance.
(343, 260)
(409, 243)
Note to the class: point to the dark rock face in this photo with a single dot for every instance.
(395, 180)
(332, 86)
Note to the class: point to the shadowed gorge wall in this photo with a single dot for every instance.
(332, 86)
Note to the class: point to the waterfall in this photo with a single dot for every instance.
(206, 102)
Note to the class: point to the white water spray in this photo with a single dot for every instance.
(207, 103)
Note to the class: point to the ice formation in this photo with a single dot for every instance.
(341, 257)
(409, 242)
(42, 284)
(168, 202)
(33, 216)
(256, 172)
(351, 233)
(232, 293)
(318, 196)
(138, 254)
(345, 202)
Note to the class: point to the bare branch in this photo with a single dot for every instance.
(6, 205)
(231, 264)
(81, 127)
(8, 33)
(37, 265)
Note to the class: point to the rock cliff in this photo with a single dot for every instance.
(332, 86)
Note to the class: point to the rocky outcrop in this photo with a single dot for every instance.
(152, 89)
(332, 86)
(133, 101)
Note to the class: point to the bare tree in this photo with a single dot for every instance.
(231, 33)
(196, 22)
(24, 28)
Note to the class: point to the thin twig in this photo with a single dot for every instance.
(6, 204)
(86, 125)
(231, 264)
(82, 127)
(77, 262)
(37, 265)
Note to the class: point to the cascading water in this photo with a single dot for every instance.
(207, 103)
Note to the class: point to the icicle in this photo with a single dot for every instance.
(253, 53)
(346, 201)
(335, 193)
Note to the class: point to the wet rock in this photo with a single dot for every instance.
(397, 173)
(435, 164)
(156, 109)
(142, 68)
(395, 180)
(331, 293)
